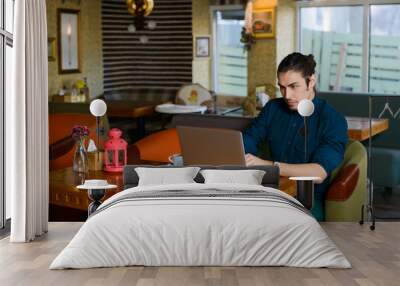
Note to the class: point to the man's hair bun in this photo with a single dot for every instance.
(298, 62)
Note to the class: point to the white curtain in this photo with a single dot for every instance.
(27, 124)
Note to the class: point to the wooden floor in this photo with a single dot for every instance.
(375, 257)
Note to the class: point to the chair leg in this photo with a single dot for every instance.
(361, 222)
(372, 227)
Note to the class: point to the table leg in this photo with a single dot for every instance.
(305, 193)
(95, 195)
(370, 205)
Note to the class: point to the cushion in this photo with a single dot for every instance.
(162, 176)
(248, 177)
(344, 184)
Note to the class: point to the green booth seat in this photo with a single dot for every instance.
(348, 189)
(385, 166)
(385, 146)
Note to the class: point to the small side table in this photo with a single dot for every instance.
(305, 190)
(96, 190)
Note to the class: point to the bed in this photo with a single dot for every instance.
(201, 224)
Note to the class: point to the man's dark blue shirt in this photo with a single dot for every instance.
(283, 131)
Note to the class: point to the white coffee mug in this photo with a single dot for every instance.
(176, 160)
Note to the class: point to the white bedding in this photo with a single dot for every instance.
(200, 231)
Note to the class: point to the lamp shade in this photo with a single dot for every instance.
(305, 107)
(98, 107)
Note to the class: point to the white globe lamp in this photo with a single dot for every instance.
(305, 185)
(98, 108)
(305, 107)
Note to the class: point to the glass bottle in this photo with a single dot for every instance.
(80, 164)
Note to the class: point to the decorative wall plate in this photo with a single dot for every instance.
(193, 94)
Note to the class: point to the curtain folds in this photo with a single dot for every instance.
(27, 124)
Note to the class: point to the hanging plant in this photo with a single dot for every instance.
(247, 39)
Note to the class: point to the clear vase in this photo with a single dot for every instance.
(80, 164)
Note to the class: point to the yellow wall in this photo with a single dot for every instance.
(261, 64)
(286, 29)
(201, 26)
(90, 45)
(266, 54)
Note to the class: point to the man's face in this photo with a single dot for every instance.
(294, 88)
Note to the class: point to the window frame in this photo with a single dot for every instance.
(6, 39)
(214, 59)
(365, 4)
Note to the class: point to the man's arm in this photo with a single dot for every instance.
(257, 131)
(324, 160)
(291, 170)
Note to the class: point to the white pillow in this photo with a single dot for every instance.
(164, 176)
(248, 177)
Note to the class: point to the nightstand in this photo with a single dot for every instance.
(96, 190)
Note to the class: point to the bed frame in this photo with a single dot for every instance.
(270, 179)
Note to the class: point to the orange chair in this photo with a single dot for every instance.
(61, 150)
(156, 147)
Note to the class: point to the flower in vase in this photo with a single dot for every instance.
(80, 132)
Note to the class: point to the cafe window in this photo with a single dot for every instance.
(356, 46)
(384, 65)
(230, 58)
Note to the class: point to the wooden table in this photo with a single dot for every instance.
(132, 109)
(63, 192)
(358, 127)
(115, 108)
(137, 110)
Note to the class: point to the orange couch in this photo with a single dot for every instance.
(156, 147)
(61, 144)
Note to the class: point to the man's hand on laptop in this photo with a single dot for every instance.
(252, 160)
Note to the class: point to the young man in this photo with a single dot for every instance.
(282, 127)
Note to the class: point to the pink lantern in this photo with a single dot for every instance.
(115, 151)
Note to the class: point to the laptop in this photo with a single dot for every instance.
(211, 146)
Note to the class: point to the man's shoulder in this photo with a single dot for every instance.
(277, 100)
(328, 111)
(329, 115)
(275, 103)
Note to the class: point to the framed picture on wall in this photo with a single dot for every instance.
(202, 46)
(68, 41)
(51, 49)
(263, 23)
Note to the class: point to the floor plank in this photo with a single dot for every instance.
(375, 257)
